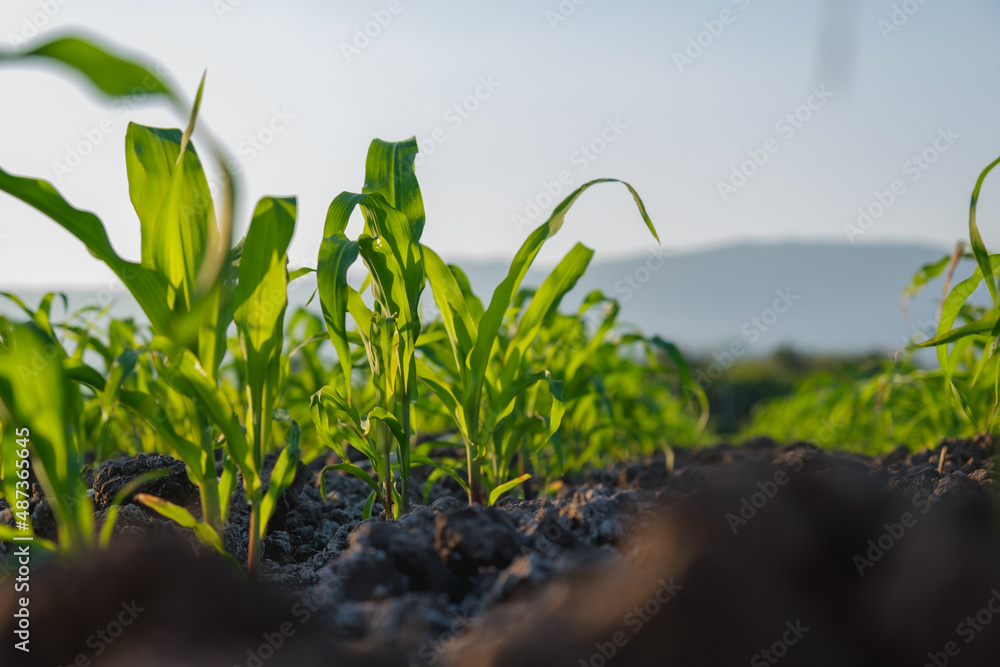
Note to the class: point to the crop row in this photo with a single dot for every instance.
(503, 396)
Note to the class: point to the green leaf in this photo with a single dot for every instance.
(120, 369)
(214, 313)
(389, 172)
(261, 295)
(366, 511)
(379, 414)
(111, 74)
(282, 476)
(121, 77)
(149, 287)
(336, 254)
(490, 323)
(77, 371)
(446, 395)
(980, 327)
(181, 516)
(455, 314)
(298, 273)
(389, 226)
(924, 275)
(473, 301)
(555, 221)
(507, 486)
(504, 403)
(199, 465)
(978, 247)
(394, 261)
(261, 300)
(170, 194)
(182, 371)
(548, 297)
(107, 530)
(351, 469)
(423, 459)
(13, 536)
(36, 390)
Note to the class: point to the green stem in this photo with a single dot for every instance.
(210, 506)
(384, 441)
(404, 456)
(471, 450)
(525, 467)
(475, 479)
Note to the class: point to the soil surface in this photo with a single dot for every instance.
(756, 554)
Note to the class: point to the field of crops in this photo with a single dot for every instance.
(343, 486)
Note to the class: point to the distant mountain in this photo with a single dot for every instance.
(835, 298)
(815, 296)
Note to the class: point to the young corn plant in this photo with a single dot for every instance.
(43, 403)
(616, 407)
(260, 300)
(475, 400)
(972, 346)
(393, 211)
(179, 278)
(42, 389)
(191, 286)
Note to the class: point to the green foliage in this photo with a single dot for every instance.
(902, 401)
(967, 352)
(191, 286)
(751, 381)
(45, 407)
(507, 398)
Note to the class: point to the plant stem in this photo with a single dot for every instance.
(404, 456)
(210, 504)
(525, 467)
(475, 479)
(383, 439)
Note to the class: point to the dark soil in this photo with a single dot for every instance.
(756, 555)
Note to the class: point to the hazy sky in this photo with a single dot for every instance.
(536, 82)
